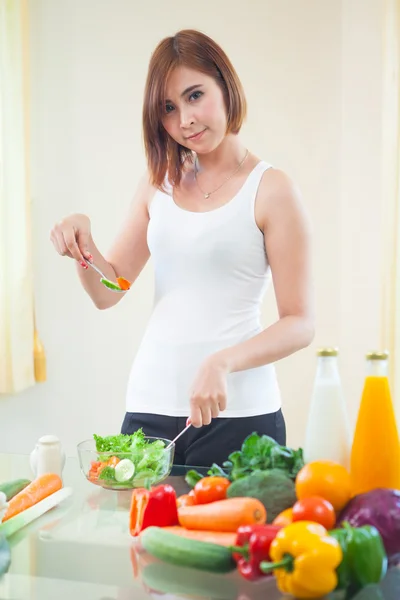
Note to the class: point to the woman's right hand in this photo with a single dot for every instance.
(71, 237)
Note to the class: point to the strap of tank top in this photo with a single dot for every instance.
(159, 196)
(254, 179)
(253, 182)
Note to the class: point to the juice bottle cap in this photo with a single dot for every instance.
(377, 355)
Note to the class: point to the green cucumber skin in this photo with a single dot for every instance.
(110, 284)
(185, 552)
(12, 488)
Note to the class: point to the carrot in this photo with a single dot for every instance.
(222, 538)
(123, 283)
(98, 466)
(223, 515)
(40, 488)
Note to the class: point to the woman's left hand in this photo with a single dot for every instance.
(209, 392)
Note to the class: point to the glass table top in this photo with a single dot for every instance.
(82, 549)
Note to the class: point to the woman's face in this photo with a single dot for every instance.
(195, 114)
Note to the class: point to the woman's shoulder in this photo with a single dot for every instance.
(278, 195)
(277, 182)
(273, 180)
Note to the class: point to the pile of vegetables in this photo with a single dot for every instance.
(208, 530)
(265, 512)
(125, 461)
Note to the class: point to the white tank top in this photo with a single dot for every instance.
(211, 273)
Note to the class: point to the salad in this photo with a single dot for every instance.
(129, 460)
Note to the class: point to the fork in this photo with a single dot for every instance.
(188, 424)
(104, 279)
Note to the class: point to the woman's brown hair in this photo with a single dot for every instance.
(195, 50)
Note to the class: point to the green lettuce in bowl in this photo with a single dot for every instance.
(125, 461)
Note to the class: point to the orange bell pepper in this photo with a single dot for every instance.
(152, 508)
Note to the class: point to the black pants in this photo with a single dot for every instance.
(208, 444)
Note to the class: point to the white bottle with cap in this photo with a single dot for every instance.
(47, 456)
(328, 434)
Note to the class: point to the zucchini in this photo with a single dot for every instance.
(185, 552)
(12, 488)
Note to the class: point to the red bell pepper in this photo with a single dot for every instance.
(155, 507)
(252, 546)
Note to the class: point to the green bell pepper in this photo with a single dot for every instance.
(344, 570)
(364, 557)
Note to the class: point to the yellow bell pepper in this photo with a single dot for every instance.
(305, 559)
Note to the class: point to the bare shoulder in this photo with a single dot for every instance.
(277, 187)
(279, 196)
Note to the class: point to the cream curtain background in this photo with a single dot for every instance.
(17, 331)
(391, 193)
(21, 355)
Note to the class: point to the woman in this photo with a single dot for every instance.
(219, 224)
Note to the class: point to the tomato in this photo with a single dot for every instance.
(185, 500)
(315, 509)
(284, 518)
(211, 489)
(326, 479)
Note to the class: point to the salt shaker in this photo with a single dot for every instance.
(47, 456)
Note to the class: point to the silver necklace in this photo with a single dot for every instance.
(208, 194)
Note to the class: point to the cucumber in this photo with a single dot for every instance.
(185, 552)
(124, 470)
(110, 284)
(12, 488)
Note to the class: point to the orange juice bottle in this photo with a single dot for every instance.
(375, 453)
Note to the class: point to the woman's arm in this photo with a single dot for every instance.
(128, 255)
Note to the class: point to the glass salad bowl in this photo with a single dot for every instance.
(126, 462)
